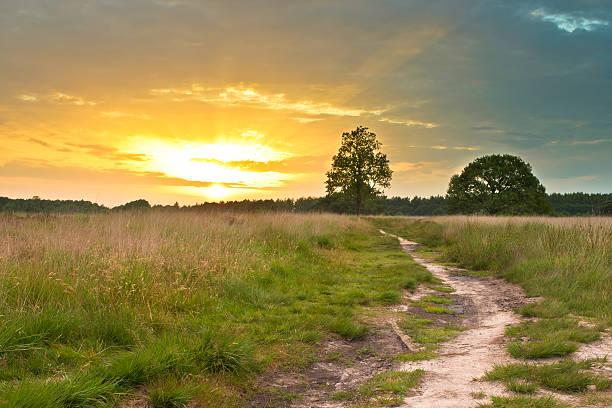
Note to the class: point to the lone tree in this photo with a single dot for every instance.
(359, 171)
(497, 184)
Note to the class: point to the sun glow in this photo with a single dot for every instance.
(212, 163)
(217, 191)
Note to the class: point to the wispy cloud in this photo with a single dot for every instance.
(27, 98)
(469, 148)
(124, 115)
(485, 128)
(307, 120)
(241, 95)
(252, 134)
(577, 179)
(590, 142)
(442, 147)
(39, 142)
(56, 97)
(110, 152)
(410, 123)
(246, 96)
(412, 166)
(293, 165)
(569, 22)
(47, 171)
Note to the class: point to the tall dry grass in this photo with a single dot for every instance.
(94, 305)
(176, 304)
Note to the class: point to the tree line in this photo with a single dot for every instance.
(569, 204)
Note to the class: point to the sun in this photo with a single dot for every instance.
(217, 191)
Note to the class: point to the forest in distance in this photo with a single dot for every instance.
(563, 204)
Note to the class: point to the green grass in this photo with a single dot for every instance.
(520, 387)
(432, 304)
(550, 347)
(173, 396)
(565, 376)
(443, 289)
(416, 356)
(437, 310)
(551, 335)
(410, 284)
(437, 300)
(548, 308)
(423, 332)
(524, 402)
(348, 329)
(384, 389)
(97, 306)
(389, 298)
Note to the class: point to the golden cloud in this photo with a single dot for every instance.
(250, 97)
(57, 98)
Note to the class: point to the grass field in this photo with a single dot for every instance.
(167, 308)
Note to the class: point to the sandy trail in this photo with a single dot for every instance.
(488, 305)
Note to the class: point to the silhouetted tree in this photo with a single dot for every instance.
(359, 173)
(497, 184)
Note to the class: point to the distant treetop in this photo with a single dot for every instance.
(133, 205)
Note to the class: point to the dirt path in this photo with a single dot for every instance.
(484, 307)
(488, 305)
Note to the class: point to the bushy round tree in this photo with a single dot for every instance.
(497, 184)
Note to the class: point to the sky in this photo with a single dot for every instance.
(192, 101)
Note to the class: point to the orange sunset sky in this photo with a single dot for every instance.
(195, 101)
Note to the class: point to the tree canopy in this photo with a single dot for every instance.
(359, 172)
(497, 184)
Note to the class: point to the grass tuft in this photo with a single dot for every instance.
(548, 308)
(169, 397)
(524, 402)
(567, 375)
(549, 337)
(437, 310)
(387, 388)
(520, 386)
(409, 284)
(437, 300)
(550, 347)
(416, 356)
(348, 329)
(389, 298)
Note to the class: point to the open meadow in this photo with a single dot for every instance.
(168, 308)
